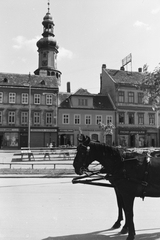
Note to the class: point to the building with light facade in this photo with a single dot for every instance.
(137, 125)
(83, 111)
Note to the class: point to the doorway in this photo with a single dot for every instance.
(132, 141)
(24, 140)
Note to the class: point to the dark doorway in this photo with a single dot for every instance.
(24, 140)
(109, 140)
(153, 142)
(132, 140)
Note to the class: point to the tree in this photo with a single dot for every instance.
(151, 86)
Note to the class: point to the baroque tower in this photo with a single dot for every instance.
(48, 49)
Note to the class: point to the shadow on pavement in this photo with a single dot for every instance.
(105, 235)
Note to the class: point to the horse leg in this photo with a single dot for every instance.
(128, 207)
(119, 199)
(120, 204)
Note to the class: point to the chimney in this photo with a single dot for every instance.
(103, 65)
(122, 68)
(68, 87)
(139, 69)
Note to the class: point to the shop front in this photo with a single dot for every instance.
(16, 138)
(44, 137)
(9, 138)
(132, 138)
(66, 137)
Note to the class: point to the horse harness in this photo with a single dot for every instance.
(144, 182)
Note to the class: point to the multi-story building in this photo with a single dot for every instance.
(29, 103)
(84, 111)
(137, 125)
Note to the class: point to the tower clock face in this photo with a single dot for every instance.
(44, 63)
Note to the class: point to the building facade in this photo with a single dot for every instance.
(137, 125)
(83, 111)
(20, 101)
(29, 103)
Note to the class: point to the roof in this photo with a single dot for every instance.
(62, 96)
(121, 76)
(100, 102)
(82, 91)
(103, 102)
(14, 79)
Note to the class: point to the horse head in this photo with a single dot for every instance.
(81, 162)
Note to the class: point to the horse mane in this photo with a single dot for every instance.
(105, 150)
(114, 151)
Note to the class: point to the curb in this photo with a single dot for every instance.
(36, 176)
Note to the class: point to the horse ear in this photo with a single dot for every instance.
(81, 138)
(87, 140)
(80, 131)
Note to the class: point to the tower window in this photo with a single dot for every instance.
(42, 82)
(5, 80)
(44, 54)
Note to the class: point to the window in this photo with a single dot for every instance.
(121, 118)
(0, 117)
(36, 118)
(151, 119)
(12, 98)
(1, 97)
(77, 119)
(140, 97)
(24, 98)
(109, 119)
(10, 139)
(65, 119)
(131, 97)
(36, 98)
(48, 99)
(11, 117)
(140, 118)
(98, 119)
(49, 119)
(88, 119)
(44, 54)
(121, 96)
(24, 118)
(131, 118)
(82, 102)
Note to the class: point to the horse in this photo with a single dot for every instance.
(133, 174)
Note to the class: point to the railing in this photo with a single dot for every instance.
(32, 164)
(44, 154)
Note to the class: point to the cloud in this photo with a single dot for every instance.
(155, 11)
(21, 42)
(64, 53)
(142, 25)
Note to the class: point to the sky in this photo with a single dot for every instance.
(89, 33)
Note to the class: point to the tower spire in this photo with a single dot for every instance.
(48, 6)
(48, 49)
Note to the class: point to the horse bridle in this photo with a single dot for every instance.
(84, 168)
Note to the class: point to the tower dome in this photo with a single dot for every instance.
(47, 42)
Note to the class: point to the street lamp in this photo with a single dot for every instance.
(29, 110)
(29, 114)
